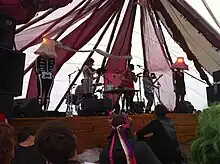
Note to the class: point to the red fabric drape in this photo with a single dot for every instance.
(33, 36)
(79, 37)
(156, 58)
(122, 46)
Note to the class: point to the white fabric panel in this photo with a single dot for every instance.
(207, 56)
(157, 63)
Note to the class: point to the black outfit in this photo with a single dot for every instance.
(180, 88)
(27, 155)
(143, 153)
(164, 141)
(45, 80)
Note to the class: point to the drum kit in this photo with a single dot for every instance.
(74, 102)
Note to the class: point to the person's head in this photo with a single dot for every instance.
(3, 118)
(82, 81)
(25, 134)
(90, 62)
(205, 149)
(55, 142)
(121, 125)
(131, 67)
(146, 73)
(160, 110)
(7, 143)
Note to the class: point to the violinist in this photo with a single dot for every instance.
(128, 79)
(88, 73)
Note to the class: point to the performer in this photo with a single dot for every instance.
(128, 79)
(88, 73)
(45, 79)
(179, 85)
(148, 90)
(79, 91)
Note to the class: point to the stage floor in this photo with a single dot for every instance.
(92, 131)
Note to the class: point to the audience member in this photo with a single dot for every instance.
(26, 152)
(160, 135)
(7, 143)
(56, 143)
(122, 148)
(205, 149)
(3, 118)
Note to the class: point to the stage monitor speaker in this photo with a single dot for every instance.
(216, 76)
(213, 94)
(139, 107)
(11, 71)
(7, 31)
(27, 108)
(97, 106)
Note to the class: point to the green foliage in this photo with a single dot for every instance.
(206, 148)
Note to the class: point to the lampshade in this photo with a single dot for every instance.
(47, 48)
(180, 64)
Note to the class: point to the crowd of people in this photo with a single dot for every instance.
(54, 142)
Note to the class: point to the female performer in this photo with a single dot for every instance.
(88, 73)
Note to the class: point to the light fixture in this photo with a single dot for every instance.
(180, 64)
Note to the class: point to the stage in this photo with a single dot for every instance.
(92, 131)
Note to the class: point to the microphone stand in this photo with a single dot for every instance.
(69, 110)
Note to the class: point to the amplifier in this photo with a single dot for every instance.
(213, 94)
(97, 106)
(139, 107)
(216, 76)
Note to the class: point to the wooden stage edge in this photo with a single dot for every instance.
(92, 131)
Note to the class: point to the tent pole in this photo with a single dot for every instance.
(59, 34)
(35, 20)
(90, 55)
(110, 42)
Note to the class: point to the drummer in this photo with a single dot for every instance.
(79, 91)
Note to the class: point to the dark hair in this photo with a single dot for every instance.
(7, 143)
(160, 110)
(56, 142)
(131, 66)
(82, 80)
(89, 60)
(24, 133)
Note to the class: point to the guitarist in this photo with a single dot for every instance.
(148, 89)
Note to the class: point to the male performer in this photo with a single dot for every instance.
(128, 79)
(179, 85)
(148, 90)
(45, 79)
(79, 91)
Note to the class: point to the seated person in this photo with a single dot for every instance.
(56, 143)
(160, 135)
(26, 152)
(3, 118)
(7, 143)
(122, 148)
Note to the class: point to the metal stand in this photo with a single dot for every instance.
(69, 109)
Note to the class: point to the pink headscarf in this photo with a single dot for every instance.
(3, 118)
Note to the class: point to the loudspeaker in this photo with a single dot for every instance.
(138, 107)
(11, 71)
(7, 31)
(213, 94)
(97, 106)
(27, 108)
(216, 76)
